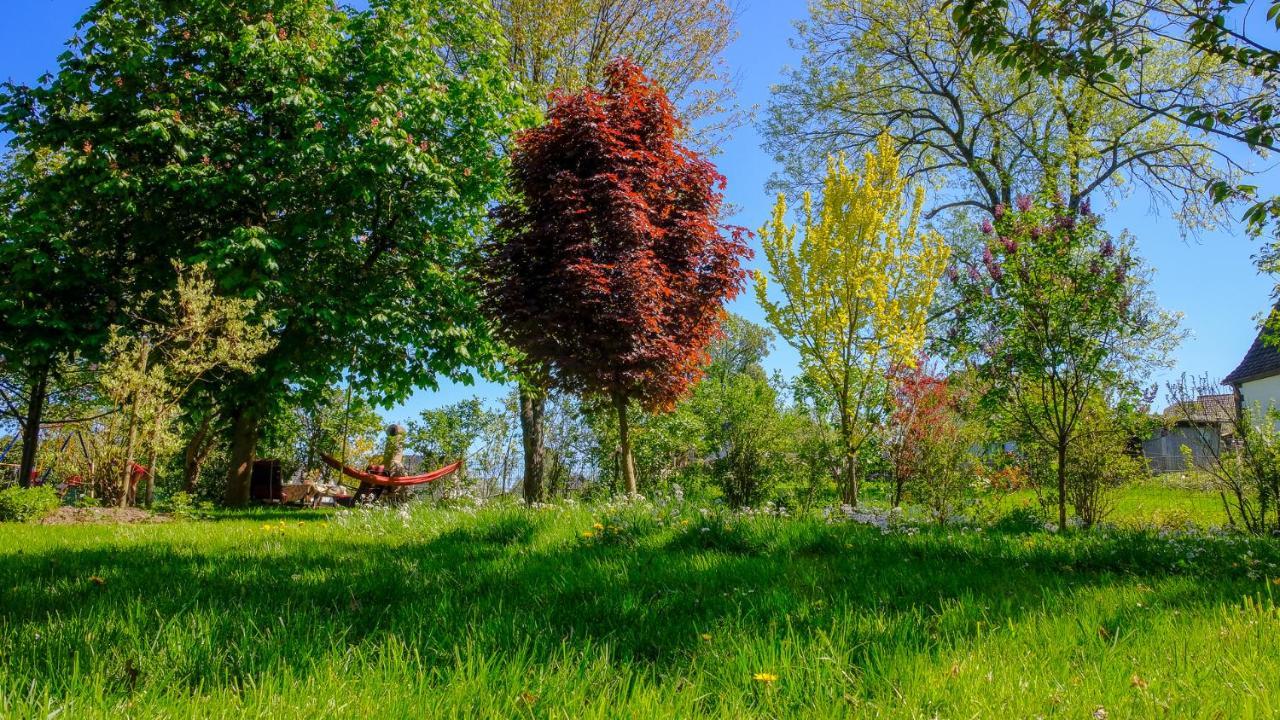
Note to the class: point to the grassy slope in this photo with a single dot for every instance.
(510, 613)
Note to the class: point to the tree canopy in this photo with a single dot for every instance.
(1058, 315)
(979, 132)
(611, 269)
(566, 45)
(334, 165)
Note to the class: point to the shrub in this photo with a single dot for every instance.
(930, 442)
(182, 506)
(1022, 519)
(85, 500)
(721, 531)
(1173, 520)
(628, 522)
(18, 504)
(1246, 471)
(1100, 463)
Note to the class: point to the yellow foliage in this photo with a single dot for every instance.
(857, 285)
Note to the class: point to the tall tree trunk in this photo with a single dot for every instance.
(151, 474)
(127, 473)
(31, 431)
(196, 452)
(1062, 486)
(849, 468)
(533, 405)
(628, 465)
(244, 441)
(849, 481)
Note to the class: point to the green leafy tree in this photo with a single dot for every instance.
(1104, 46)
(1101, 460)
(1057, 316)
(446, 434)
(748, 434)
(192, 336)
(979, 132)
(339, 422)
(332, 164)
(566, 44)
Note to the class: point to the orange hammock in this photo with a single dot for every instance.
(386, 480)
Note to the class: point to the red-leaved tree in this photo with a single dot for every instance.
(610, 267)
(923, 418)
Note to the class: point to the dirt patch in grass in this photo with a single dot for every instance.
(75, 516)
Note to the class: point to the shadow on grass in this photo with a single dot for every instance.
(255, 602)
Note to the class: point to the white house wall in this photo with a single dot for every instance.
(1258, 395)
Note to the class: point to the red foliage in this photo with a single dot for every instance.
(923, 410)
(612, 268)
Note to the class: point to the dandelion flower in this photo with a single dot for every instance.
(588, 534)
(764, 677)
(598, 526)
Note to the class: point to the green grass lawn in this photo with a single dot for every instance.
(1173, 499)
(513, 613)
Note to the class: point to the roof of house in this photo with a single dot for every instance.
(1262, 360)
(1206, 409)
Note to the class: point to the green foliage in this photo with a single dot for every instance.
(448, 433)
(1246, 471)
(182, 506)
(189, 338)
(1105, 46)
(1059, 317)
(1021, 519)
(19, 504)
(304, 425)
(982, 129)
(750, 435)
(1254, 468)
(564, 45)
(1102, 461)
(332, 164)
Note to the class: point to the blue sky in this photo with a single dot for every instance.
(1211, 280)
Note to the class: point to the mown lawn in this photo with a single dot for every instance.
(513, 613)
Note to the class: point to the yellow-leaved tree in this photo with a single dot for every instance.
(853, 294)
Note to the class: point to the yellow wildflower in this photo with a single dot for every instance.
(764, 677)
(588, 534)
(598, 526)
